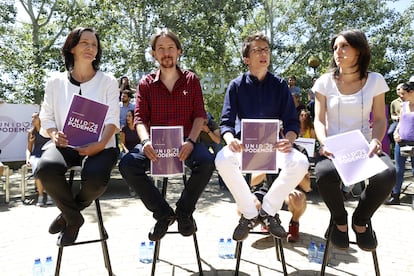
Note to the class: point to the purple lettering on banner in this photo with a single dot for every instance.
(6, 135)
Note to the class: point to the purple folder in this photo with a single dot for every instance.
(167, 141)
(258, 138)
(84, 121)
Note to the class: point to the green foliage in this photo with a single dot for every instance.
(211, 32)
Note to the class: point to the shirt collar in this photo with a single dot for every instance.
(253, 79)
(158, 74)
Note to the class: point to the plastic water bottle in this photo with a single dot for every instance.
(49, 267)
(37, 268)
(230, 249)
(150, 251)
(222, 248)
(312, 252)
(143, 253)
(320, 253)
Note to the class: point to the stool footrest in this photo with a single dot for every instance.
(279, 251)
(86, 242)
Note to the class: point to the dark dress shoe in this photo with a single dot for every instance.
(160, 228)
(186, 225)
(394, 199)
(58, 225)
(70, 234)
(367, 240)
(339, 239)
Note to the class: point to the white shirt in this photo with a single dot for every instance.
(349, 112)
(103, 87)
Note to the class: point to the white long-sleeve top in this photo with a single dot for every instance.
(103, 87)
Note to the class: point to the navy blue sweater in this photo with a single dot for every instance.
(248, 98)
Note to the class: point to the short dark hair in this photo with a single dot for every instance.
(166, 33)
(72, 40)
(128, 92)
(408, 86)
(357, 40)
(249, 39)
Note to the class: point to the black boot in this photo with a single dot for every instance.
(394, 199)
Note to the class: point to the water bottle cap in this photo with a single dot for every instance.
(37, 260)
(151, 243)
(48, 258)
(143, 243)
(222, 239)
(229, 239)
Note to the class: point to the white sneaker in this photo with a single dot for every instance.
(40, 201)
(49, 200)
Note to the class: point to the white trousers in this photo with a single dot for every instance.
(294, 165)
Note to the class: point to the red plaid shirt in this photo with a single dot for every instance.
(156, 106)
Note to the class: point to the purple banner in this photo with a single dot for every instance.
(258, 138)
(84, 121)
(167, 142)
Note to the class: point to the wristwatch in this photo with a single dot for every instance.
(191, 141)
(145, 141)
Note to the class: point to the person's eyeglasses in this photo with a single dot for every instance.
(258, 50)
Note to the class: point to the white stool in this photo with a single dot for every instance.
(6, 187)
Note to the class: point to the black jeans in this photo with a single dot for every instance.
(95, 175)
(135, 165)
(328, 182)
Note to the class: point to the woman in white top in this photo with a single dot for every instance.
(345, 97)
(82, 54)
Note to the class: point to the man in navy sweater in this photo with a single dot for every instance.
(259, 94)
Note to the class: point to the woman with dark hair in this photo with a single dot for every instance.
(82, 54)
(345, 97)
(124, 84)
(128, 134)
(34, 151)
(403, 136)
(307, 130)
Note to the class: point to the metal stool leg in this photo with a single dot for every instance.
(277, 241)
(158, 243)
(327, 252)
(59, 261)
(239, 246)
(376, 265)
(197, 251)
(103, 236)
(279, 253)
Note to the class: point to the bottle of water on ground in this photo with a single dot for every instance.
(222, 248)
(37, 268)
(49, 267)
(150, 252)
(230, 248)
(312, 252)
(143, 253)
(320, 253)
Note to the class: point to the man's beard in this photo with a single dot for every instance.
(167, 62)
